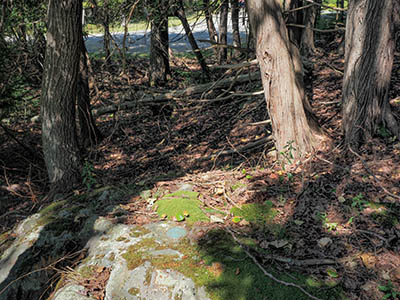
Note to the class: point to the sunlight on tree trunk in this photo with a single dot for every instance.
(59, 87)
(281, 72)
(369, 58)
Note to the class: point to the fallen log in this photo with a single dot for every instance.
(177, 94)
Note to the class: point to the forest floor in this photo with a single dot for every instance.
(332, 205)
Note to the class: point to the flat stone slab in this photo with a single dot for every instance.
(119, 246)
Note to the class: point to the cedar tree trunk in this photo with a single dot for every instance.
(295, 17)
(159, 42)
(89, 133)
(292, 120)
(212, 32)
(307, 46)
(235, 24)
(369, 54)
(223, 31)
(59, 85)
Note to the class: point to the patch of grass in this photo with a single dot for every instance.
(256, 213)
(181, 204)
(241, 279)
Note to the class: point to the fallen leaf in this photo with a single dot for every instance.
(236, 219)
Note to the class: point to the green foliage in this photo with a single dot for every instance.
(389, 291)
(325, 221)
(181, 205)
(358, 202)
(287, 153)
(255, 213)
(88, 176)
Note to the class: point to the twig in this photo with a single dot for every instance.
(326, 6)
(374, 234)
(261, 123)
(237, 66)
(316, 29)
(265, 271)
(296, 9)
(230, 200)
(300, 263)
(50, 266)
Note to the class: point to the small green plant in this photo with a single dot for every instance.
(325, 221)
(389, 291)
(358, 202)
(287, 153)
(88, 176)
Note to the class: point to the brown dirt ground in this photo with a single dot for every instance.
(165, 146)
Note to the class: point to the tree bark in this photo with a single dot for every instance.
(59, 87)
(180, 14)
(292, 120)
(89, 134)
(296, 17)
(223, 31)
(307, 46)
(159, 42)
(235, 24)
(212, 32)
(369, 54)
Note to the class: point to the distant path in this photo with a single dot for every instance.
(139, 41)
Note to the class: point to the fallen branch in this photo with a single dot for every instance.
(300, 263)
(252, 257)
(316, 29)
(216, 44)
(237, 66)
(174, 95)
(326, 6)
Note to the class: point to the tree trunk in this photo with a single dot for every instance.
(212, 32)
(307, 46)
(223, 31)
(89, 134)
(180, 14)
(296, 17)
(294, 127)
(107, 34)
(59, 85)
(159, 43)
(235, 24)
(369, 54)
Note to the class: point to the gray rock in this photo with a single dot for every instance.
(324, 242)
(71, 292)
(106, 244)
(186, 187)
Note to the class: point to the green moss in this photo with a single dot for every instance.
(137, 254)
(134, 291)
(121, 239)
(139, 231)
(220, 265)
(181, 203)
(48, 214)
(86, 271)
(256, 213)
(112, 257)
